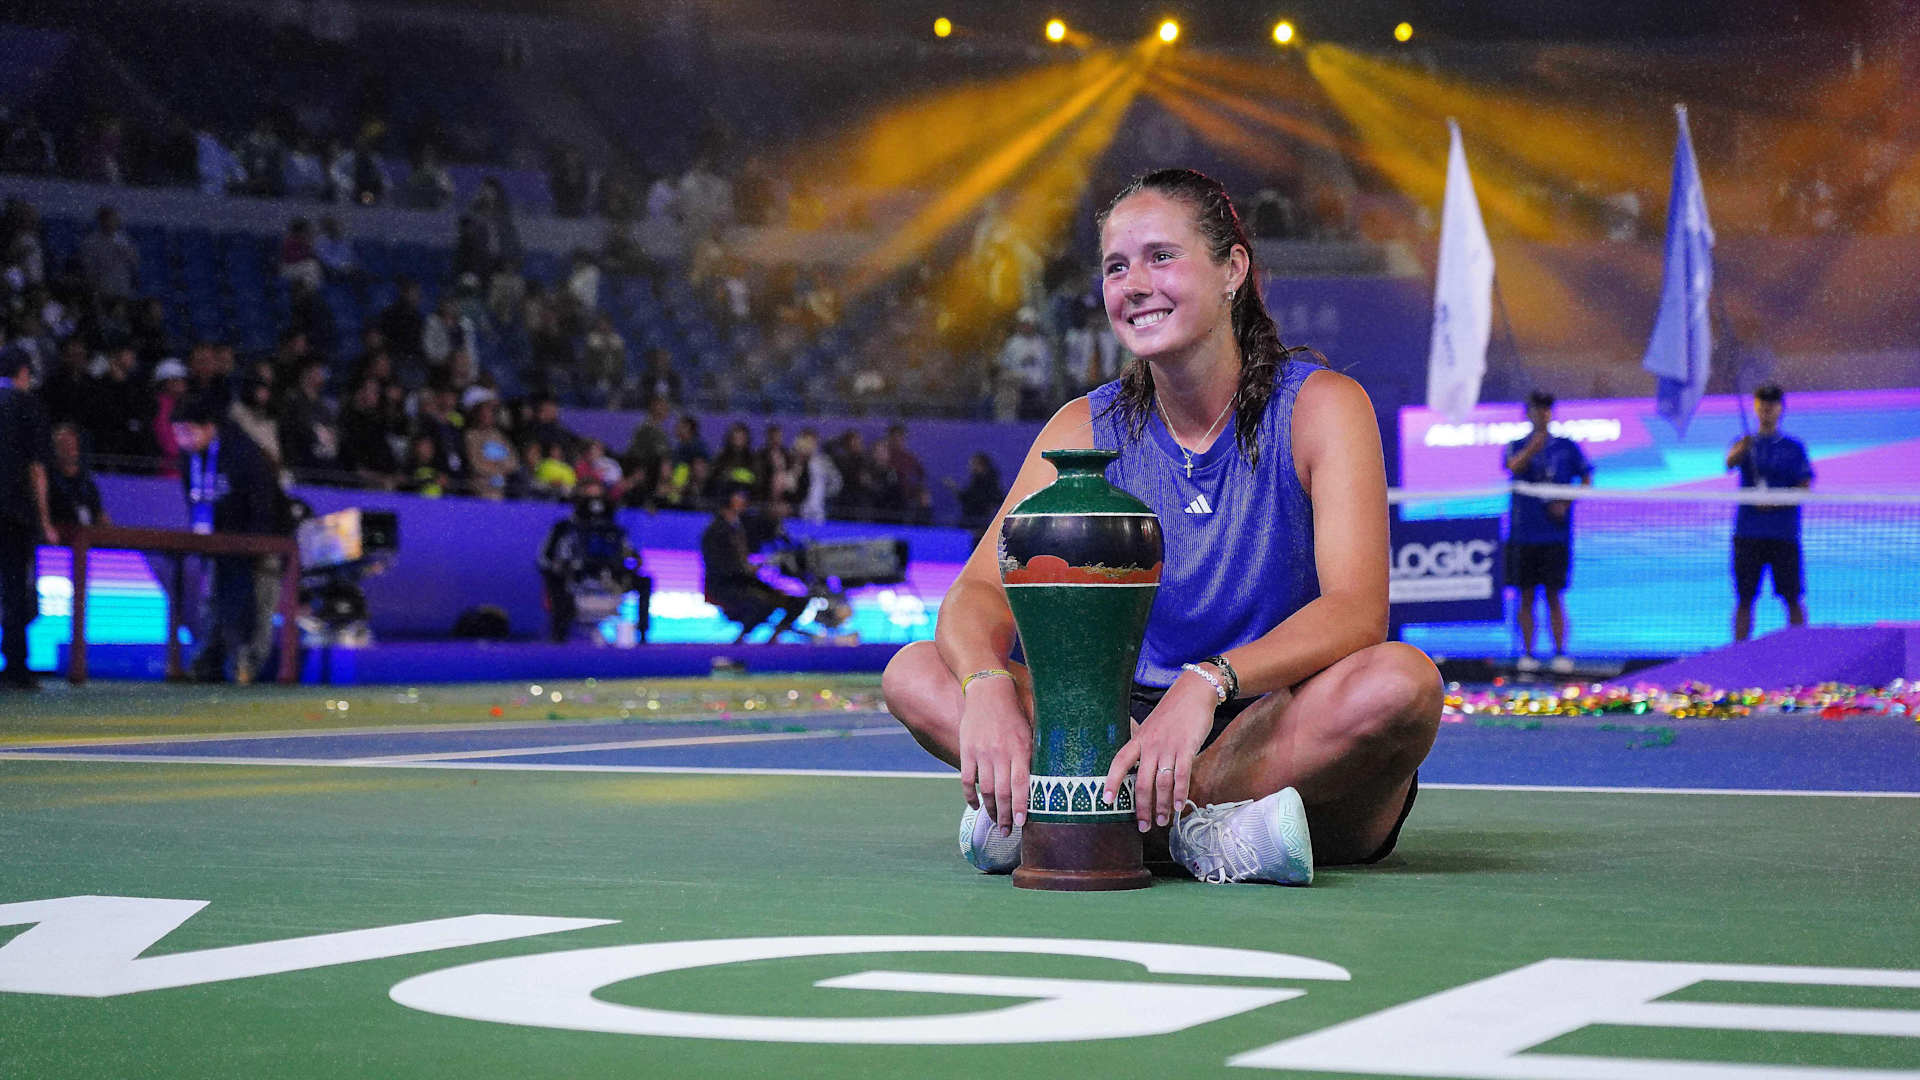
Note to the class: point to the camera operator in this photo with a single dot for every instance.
(590, 550)
(730, 583)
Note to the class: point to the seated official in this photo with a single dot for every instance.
(729, 580)
(590, 553)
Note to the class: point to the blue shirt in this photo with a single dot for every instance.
(1560, 461)
(1773, 461)
(1239, 537)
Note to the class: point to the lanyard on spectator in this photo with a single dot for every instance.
(202, 480)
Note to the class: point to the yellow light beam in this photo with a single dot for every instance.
(967, 191)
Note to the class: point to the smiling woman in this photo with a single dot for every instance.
(1272, 720)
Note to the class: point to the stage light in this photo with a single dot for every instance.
(942, 26)
(1056, 31)
(1283, 33)
(1169, 30)
(1403, 33)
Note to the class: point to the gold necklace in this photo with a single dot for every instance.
(1184, 452)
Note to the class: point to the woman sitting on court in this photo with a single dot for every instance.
(1265, 692)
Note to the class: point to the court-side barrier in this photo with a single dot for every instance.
(457, 553)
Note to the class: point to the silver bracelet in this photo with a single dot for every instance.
(1219, 688)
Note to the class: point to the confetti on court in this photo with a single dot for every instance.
(1828, 701)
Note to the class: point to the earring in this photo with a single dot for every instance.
(1230, 293)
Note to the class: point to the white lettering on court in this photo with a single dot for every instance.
(1483, 1029)
(555, 990)
(90, 946)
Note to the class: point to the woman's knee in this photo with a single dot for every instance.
(915, 681)
(1392, 698)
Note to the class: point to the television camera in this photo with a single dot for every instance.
(338, 551)
(830, 569)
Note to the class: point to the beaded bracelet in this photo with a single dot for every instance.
(1226, 670)
(967, 681)
(1219, 688)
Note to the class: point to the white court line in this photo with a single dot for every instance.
(629, 744)
(947, 775)
(377, 729)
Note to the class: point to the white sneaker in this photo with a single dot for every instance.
(990, 850)
(1255, 840)
(1562, 664)
(1526, 663)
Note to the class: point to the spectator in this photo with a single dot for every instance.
(101, 155)
(658, 380)
(208, 367)
(26, 262)
(170, 385)
(254, 412)
(303, 174)
(595, 463)
(446, 331)
(570, 184)
(357, 175)
(63, 393)
(118, 410)
(364, 449)
(981, 495)
(423, 474)
(108, 262)
(816, 481)
(428, 186)
(859, 476)
(546, 429)
(335, 252)
(72, 496)
(217, 168)
(735, 465)
(151, 339)
(298, 260)
(404, 325)
(604, 356)
(583, 289)
(432, 419)
(309, 434)
(492, 461)
(903, 478)
(649, 446)
(1023, 377)
(547, 468)
(772, 463)
(264, 160)
(28, 148)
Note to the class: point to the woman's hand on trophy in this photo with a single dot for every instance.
(996, 748)
(1164, 746)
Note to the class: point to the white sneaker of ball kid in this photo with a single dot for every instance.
(1562, 664)
(983, 844)
(1254, 840)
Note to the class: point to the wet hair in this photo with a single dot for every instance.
(1262, 353)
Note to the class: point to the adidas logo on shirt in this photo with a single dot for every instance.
(1200, 505)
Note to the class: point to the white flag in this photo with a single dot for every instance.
(1462, 295)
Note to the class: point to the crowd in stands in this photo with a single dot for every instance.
(406, 407)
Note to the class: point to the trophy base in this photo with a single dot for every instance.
(1095, 857)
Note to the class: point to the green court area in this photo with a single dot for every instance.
(656, 895)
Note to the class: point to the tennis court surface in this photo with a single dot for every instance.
(760, 877)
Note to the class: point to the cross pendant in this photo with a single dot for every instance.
(1189, 470)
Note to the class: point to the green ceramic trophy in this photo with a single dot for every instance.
(1080, 559)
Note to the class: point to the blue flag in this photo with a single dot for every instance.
(1680, 351)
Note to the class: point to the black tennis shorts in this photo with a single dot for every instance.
(1753, 554)
(1144, 698)
(1546, 565)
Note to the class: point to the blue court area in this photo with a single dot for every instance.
(1763, 752)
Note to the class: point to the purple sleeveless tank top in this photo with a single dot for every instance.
(1239, 537)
